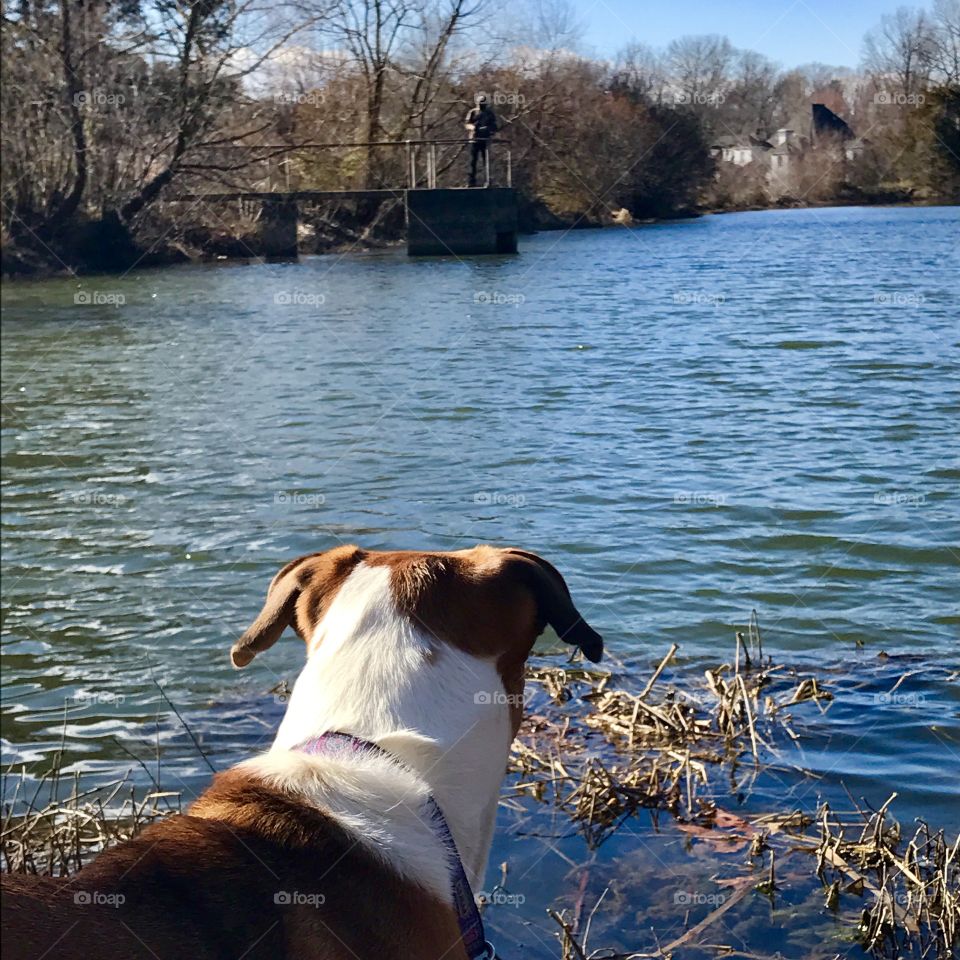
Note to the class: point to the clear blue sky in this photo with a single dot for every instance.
(788, 31)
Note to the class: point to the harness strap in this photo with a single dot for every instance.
(468, 916)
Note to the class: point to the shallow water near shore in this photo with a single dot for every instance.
(693, 420)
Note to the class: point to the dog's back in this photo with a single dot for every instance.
(164, 894)
(267, 879)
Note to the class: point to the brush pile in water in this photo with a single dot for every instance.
(669, 742)
(666, 739)
(912, 882)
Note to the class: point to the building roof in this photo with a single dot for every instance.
(831, 98)
(727, 142)
(826, 121)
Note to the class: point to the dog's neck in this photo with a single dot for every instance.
(372, 673)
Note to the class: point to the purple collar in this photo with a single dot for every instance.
(468, 916)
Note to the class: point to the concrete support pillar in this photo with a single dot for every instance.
(461, 221)
(278, 229)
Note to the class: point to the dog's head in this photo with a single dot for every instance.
(488, 602)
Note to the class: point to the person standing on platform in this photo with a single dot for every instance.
(481, 125)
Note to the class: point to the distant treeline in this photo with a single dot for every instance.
(109, 109)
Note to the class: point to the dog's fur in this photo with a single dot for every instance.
(325, 857)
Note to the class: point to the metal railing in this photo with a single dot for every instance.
(430, 166)
(422, 168)
(431, 159)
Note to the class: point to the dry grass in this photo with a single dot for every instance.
(665, 738)
(912, 882)
(45, 833)
(671, 741)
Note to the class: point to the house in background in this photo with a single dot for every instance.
(787, 150)
(781, 153)
(831, 96)
(853, 149)
(828, 128)
(740, 150)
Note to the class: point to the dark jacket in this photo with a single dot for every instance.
(484, 122)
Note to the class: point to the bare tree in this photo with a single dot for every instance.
(942, 51)
(897, 51)
(548, 25)
(700, 73)
(128, 96)
(642, 69)
(750, 99)
(212, 46)
(817, 74)
(400, 51)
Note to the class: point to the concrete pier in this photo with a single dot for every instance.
(440, 222)
(461, 221)
(278, 229)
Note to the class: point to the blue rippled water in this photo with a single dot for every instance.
(692, 420)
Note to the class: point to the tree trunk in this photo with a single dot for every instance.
(71, 202)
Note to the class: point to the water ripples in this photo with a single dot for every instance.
(693, 420)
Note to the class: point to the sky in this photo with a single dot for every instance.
(791, 32)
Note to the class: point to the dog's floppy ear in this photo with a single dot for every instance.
(277, 614)
(297, 597)
(555, 604)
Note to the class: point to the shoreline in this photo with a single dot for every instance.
(42, 268)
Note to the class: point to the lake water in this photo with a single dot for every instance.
(692, 420)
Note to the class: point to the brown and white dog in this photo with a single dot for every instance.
(327, 856)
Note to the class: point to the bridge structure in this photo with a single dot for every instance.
(439, 219)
